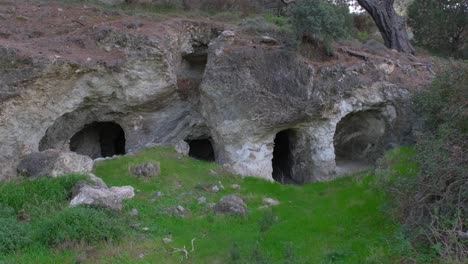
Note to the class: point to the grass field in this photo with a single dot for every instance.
(335, 222)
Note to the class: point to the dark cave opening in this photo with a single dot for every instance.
(282, 157)
(99, 139)
(358, 141)
(201, 149)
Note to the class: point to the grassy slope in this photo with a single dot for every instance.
(335, 222)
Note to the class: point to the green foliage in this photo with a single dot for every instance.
(267, 221)
(13, 235)
(280, 21)
(234, 253)
(38, 196)
(441, 25)
(80, 224)
(338, 216)
(321, 20)
(430, 186)
(7, 211)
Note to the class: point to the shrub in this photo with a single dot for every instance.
(440, 25)
(81, 224)
(276, 27)
(267, 221)
(432, 197)
(320, 20)
(13, 235)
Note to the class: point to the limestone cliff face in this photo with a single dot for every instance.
(186, 80)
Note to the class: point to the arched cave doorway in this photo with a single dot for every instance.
(282, 157)
(358, 141)
(99, 139)
(201, 149)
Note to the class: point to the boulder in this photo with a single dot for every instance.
(271, 201)
(149, 169)
(54, 163)
(182, 147)
(125, 192)
(231, 204)
(101, 196)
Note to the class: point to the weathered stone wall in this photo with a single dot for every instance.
(162, 92)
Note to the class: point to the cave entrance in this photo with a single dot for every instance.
(282, 157)
(201, 149)
(99, 139)
(358, 141)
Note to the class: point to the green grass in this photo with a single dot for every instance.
(334, 222)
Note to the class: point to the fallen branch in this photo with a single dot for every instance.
(184, 250)
(355, 53)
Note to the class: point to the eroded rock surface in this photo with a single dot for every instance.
(54, 163)
(99, 196)
(112, 85)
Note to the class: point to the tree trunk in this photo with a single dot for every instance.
(390, 24)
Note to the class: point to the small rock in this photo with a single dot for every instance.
(136, 225)
(157, 194)
(178, 211)
(145, 229)
(124, 192)
(228, 34)
(107, 48)
(182, 147)
(149, 169)
(60, 9)
(167, 240)
(268, 40)
(235, 187)
(231, 204)
(201, 200)
(271, 202)
(134, 212)
(215, 189)
(141, 256)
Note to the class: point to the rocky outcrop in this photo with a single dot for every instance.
(231, 204)
(123, 84)
(99, 196)
(54, 163)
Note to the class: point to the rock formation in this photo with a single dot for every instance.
(110, 85)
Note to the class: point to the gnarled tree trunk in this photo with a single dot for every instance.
(390, 24)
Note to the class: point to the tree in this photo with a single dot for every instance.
(440, 25)
(390, 24)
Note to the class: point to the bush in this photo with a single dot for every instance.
(432, 197)
(440, 25)
(276, 27)
(321, 20)
(81, 224)
(13, 235)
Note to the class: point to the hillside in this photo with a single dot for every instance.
(336, 222)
